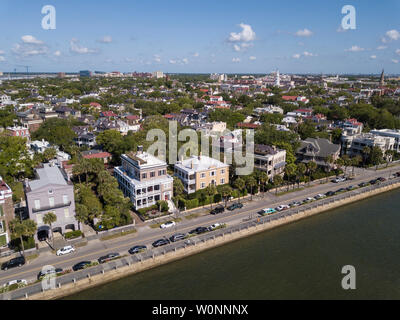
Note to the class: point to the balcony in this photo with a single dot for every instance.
(56, 206)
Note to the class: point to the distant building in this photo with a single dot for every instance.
(85, 73)
(158, 74)
(19, 131)
(144, 179)
(353, 145)
(50, 192)
(389, 133)
(197, 173)
(6, 212)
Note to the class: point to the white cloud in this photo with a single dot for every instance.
(235, 59)
(172, 61)
(381, 48)
(373, 57)
(252, 58)
(398, 52)
(157, 58)
(236, 47)
(304, 33)
(2, 52)
(247, 34)
(355, 49)
(77, 48)
(393, 34)
(296, 56)
(31, 40)
(57, 53)
(2, 59)
(309, 54)
(185, 61)
(105, 39)
(395, 61)
(196, 54)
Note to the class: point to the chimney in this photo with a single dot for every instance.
(200, 154)
(139, 149)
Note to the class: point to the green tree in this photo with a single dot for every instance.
(49, 218)
(179, 189)
(240, 185)
(211, 190)
(311, 167)
(20, 229)
(278, 180)
(251, 183)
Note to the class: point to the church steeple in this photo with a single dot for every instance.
(382, 80)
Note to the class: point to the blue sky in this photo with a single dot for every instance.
(201, 36)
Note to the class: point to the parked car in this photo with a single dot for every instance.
(48, 272)
(81, 265)
(267, 211)
(160, 242)
(137, 249)
(217, 210)
(362, 184)
(330, 193)
(214, 226)
(168, 224)
(177, 237)
(295, 204)
(319, 196)
(199, 230)
(43, 235)
(381, 179)
(373, 182)
(65, 250)
(108, 257)
(308, 200)
(20, 281)
(339, 179)
(282, 207)
(234, 206)
(15, 262)
(349, 188)
(341, 190)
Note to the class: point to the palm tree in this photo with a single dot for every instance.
(346, 161)
(239, 184)
(226, 192)
(311, 166)
(251, 183)
(339, 162)
(278, 180)
(263, 179)
(300, 172)
(49, 218)
(366, 151)
(329, 161)
(211, 190)
(290, 171)
(20, 229)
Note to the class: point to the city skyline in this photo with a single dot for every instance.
(181, 37)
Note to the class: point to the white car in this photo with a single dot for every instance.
(214, 226)
(21, 281)
(339, 179)
(65, 250)
(309, 199)
(282, 207)
(168, 224)
(319, 196)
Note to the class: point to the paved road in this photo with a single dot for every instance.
(147, 235)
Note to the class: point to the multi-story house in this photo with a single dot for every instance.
(269, 159)
(19, 131)
(318, 150)
(199, 172)
(353, 145)
(6, 212)
(51, 192)
(389, 133)
(144, 179)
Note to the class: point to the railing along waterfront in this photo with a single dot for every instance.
(132, 260)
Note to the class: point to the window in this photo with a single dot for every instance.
(37, 204)
(222, 181)
(51, 202)
(65, 199)
(66, 212)
(152, 174)
(1, 211)
(202, 175)
(157, 187)
(144, 175)
(212, 173)
(157, 197)
(203, 185)
(50, 191)
(222, 171)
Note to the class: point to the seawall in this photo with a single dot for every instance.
(129, 269)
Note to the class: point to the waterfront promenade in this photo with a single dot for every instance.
(239, 224)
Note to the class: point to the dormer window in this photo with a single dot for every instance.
(50, 191)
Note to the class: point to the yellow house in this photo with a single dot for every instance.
(197, 173)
